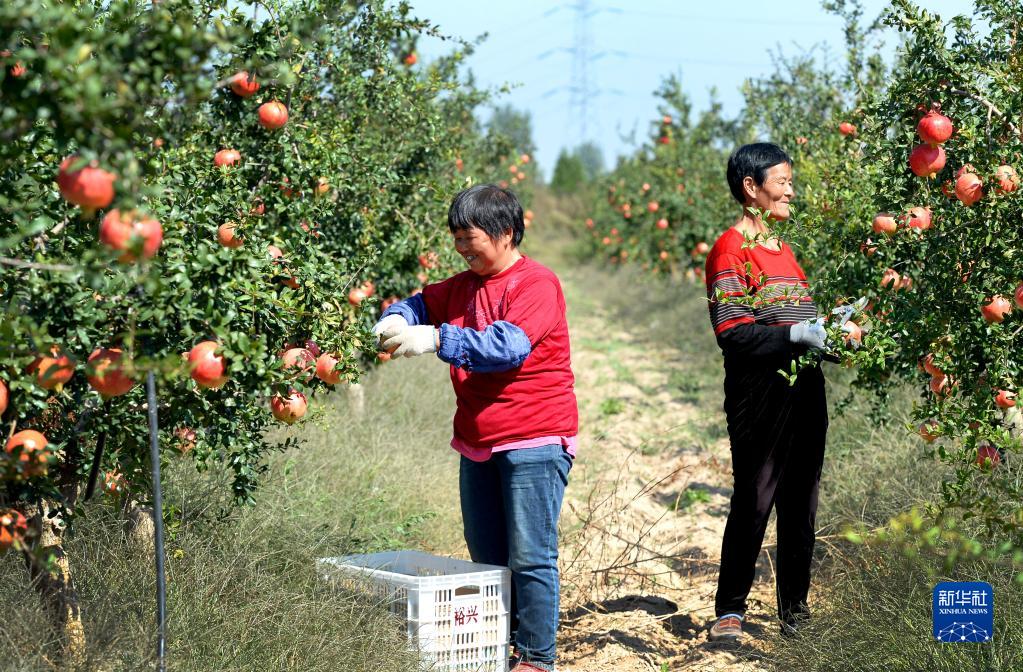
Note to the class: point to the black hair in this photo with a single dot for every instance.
(487, 207)
(753, 160)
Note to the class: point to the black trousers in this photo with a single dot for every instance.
(777, 435)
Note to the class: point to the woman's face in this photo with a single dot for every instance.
(484, 256)
(775, 193)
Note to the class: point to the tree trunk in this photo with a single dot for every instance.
(356, 395)
(50, 574)
(140, 526)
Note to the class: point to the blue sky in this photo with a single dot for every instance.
(639, 42)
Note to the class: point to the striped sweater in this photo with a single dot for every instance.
(753, 292)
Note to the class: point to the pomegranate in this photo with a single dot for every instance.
(90, 187)
(244, 85)
(1005, 399)
(288, 409)
(28, 447)
(52, 371)
(918, 218)
(227, 157)
(885, 223)
(208, 368)
(928, 365)
(935, 128)
(928, 430)
(890, 277)
(13, 528)
(988, 456)
(114, 483)
(940, 385)
(227, 235)
(4, 396)
(1008, 181)
(325, 371)
(299, 358)
(996, 309)
(429, 260)
(185, 439)
(356, 296)
(653, 206)
(273, 115)
(662, 223)
(105, 373)
(969, 188)
(926, 161)
(118, 230)
(1018, 295)
(847, 129)
(410, 59)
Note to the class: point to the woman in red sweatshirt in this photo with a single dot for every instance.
(501, 326)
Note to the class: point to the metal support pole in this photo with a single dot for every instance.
(161, 577)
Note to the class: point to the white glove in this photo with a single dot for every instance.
(389, 326)
(810, 333)
(413, 341)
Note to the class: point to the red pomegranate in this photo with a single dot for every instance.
(926, 161)
(13, 528)
(28, 447)
(208, 368)
(227, 235)
(969, 188)
(90, 187)
(1008, 181)
(244, 85)
(273, 115)
(288, 409)
(885, 223)
(117, 230)
(105, 374)
(227, 157)
(918, 218)
(935, 128)
(53, 370)
(325, 370)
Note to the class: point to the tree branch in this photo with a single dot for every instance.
(21, 263)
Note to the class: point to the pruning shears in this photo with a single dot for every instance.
(841, 316)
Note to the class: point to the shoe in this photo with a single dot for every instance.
(728, 628)
(528, 667)
(794, 625)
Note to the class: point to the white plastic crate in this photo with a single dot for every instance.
(456, 611)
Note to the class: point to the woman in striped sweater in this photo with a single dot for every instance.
(764, 317)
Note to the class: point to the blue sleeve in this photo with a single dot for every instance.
(500, 347)
(413, 309)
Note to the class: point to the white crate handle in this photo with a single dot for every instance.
(467, 590)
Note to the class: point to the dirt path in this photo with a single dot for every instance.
(648, 497)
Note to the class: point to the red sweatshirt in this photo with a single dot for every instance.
(484, 321)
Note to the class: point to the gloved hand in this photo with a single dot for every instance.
(810, 333)
(389, 326)
(413, 341)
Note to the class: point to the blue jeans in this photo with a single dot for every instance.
(510, 509)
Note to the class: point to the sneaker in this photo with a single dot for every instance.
(728, 628)
(528, 667)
